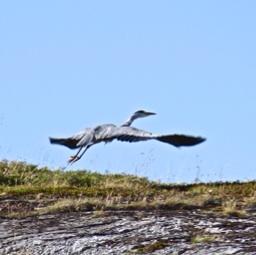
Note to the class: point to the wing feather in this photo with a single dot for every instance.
(84, 138)
(131, 134)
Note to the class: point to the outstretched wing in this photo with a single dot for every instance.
(181, 140)
(80, 139)
(84, 138)
(131, 134)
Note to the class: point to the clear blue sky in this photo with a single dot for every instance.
(66, 65)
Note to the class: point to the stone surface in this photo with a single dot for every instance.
(129, 232)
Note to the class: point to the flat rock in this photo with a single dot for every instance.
(129, 232)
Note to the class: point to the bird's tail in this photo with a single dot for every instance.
(180, 140)
(68, 142)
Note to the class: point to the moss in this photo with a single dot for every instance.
(151, 247)
(203, 239)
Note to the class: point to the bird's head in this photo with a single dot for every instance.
(136, 115)
(142, 114)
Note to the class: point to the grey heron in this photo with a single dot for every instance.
(125, 133)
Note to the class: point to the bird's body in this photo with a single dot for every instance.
(109, 132)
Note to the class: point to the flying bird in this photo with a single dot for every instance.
(125, 133)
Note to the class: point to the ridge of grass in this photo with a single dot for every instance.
(25, 187)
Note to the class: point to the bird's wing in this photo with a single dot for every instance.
(84, 137)
(131, 134)
(180, 140)
(109, 132)
(75, 141)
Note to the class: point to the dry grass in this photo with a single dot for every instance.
(230, 208)
(45, 191)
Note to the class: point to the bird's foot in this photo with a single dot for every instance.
(73, 159)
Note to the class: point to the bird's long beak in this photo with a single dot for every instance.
(151, 113)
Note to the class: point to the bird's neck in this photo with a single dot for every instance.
(129, 121)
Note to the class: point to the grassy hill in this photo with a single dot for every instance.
(26, 189)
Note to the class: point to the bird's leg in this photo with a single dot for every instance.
(85, 149)
(74, 158)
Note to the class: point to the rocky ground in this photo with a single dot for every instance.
(129, 232)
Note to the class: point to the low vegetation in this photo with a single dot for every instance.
(150, 247)
(198, 239)
(26, 189)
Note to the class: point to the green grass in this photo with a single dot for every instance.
(28, 189)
